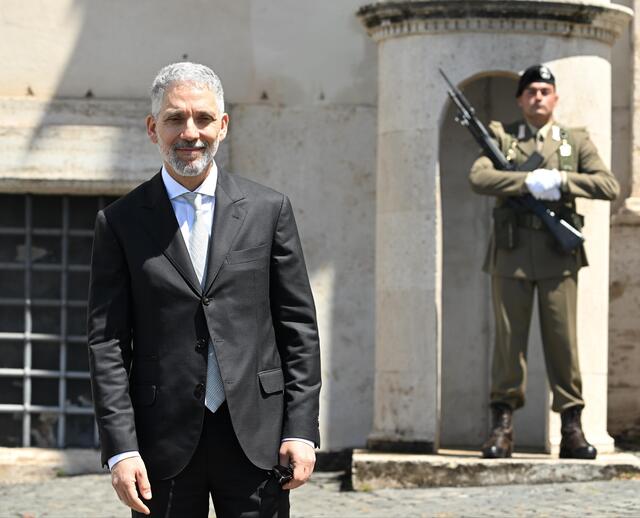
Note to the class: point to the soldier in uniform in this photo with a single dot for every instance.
(523, 257)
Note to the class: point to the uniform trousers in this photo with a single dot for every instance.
(513, 305)
(218, 468)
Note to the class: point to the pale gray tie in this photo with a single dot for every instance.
(198, 248)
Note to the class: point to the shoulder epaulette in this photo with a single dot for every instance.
(513, 128)
(496, 129)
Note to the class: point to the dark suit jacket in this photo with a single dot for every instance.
(149, 323)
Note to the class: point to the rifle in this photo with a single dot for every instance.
(567, 236)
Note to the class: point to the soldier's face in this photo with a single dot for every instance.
(537, 102)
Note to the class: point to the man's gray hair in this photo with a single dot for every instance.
(184, 72)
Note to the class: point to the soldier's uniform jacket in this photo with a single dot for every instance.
(520, 245)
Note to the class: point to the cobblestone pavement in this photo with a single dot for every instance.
(91, 496)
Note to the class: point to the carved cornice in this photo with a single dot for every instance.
(576, 19)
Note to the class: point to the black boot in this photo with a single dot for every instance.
(499, 445)
(574, 445)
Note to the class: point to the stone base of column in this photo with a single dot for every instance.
(595, 435)
(629, 213)
(388, 444)
(602, 442)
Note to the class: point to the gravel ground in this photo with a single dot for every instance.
(91, 496)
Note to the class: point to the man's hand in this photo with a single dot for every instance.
(549, 178)
(301, 457)
(125, 476)
(544, 184)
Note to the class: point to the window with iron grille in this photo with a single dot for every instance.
(45, 250)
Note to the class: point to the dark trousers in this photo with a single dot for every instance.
(219, 467)
(513, 304)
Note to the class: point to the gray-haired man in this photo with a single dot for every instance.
(203, 344)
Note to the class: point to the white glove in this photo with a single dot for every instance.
(550, 195)
(549, 178)
(544, 184)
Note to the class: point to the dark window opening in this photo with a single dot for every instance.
(45, 250)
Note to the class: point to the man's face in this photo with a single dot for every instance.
(537, 101)
(188, 129)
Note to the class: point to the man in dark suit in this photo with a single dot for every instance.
(203, 342)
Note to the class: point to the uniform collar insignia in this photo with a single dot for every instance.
(555, 133)
(522, 131)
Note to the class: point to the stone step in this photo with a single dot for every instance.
(457, 468)
(26, 465)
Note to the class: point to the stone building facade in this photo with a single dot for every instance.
(319, 110)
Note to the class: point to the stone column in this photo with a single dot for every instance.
(632, 203)
(469, 39)
(624, 335)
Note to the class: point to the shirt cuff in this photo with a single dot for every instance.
(307, 442)
(121, 456)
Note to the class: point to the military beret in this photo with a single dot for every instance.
(535, 74)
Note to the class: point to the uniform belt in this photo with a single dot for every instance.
(528, 220)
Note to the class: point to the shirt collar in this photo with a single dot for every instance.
(174, 189)
(544, 131)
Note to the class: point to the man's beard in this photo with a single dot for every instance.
(194, 167)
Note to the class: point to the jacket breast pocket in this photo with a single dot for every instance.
(248, 255)
(271, 381)
(143, 395)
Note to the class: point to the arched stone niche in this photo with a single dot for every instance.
(468, 39)
(467, 318)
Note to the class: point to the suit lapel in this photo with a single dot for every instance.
(161, 223)
(228, 217)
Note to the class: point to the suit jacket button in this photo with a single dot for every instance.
(205, 301)
(201, 344)
(197, 392)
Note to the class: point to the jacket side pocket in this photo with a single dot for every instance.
(143, 395)
(271, 381)
(505, 228)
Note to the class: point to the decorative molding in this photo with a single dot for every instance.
(389, 19)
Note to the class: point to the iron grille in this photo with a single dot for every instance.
(45, 251)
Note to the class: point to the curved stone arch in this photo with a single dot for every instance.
(494, 73)
(463, 84)
(466, 297)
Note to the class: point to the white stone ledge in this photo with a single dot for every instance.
(76, 146)
(449, 468)
(85, 187)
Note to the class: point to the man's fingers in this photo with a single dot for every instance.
(126, 477)
(128, 494)
(143, 483)
(131, 499)
(301, 474)
(302, 459)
